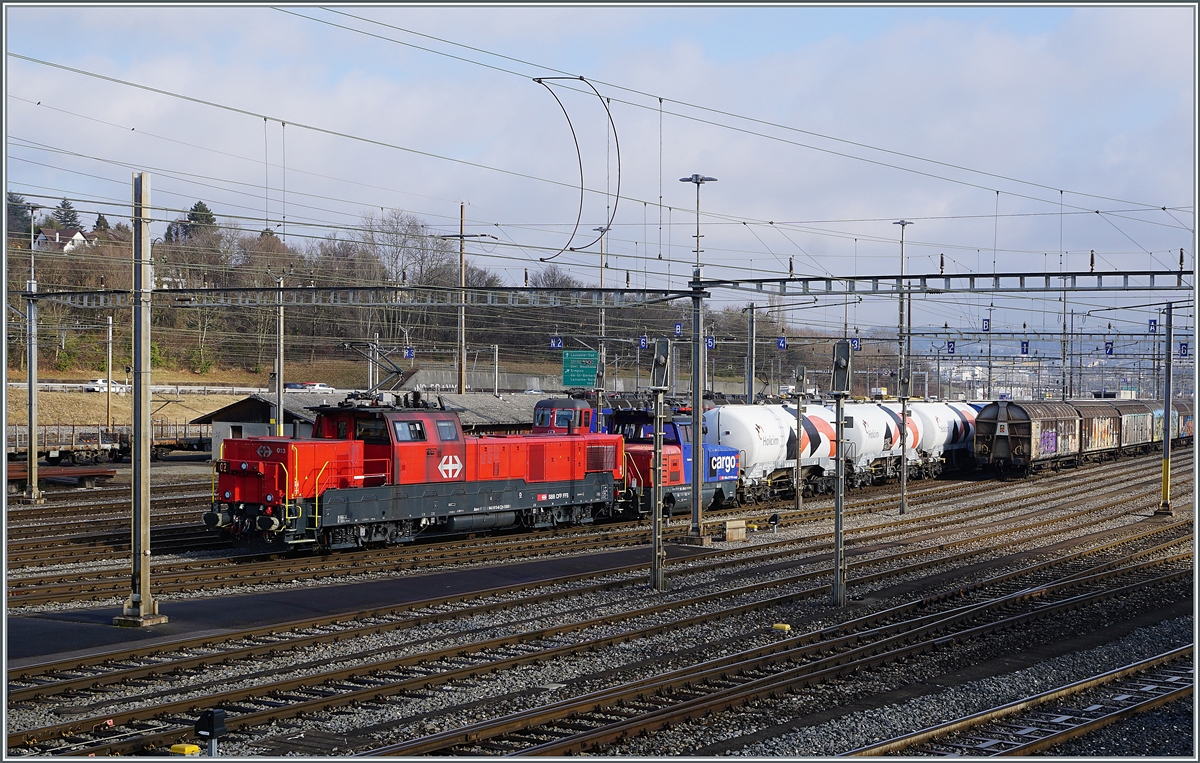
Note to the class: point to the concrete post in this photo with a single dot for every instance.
(140, 608)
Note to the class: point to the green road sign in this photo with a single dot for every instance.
(579, 368)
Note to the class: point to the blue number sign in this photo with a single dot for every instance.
(556, 342)
(1024, 347)
(710, 342)
(1183, 349)
(987, 324)
(781, 342)
(410, 353)
(950, 347)
(678, 329)
(855, 344)
(643, 342)
(1153, 325)
(1108, 348)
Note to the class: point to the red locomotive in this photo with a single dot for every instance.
(375, 473)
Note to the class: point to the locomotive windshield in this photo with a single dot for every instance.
(637, 431)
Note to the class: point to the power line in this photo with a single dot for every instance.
(700, 108)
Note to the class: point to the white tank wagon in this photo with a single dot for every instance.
(945, 434)
(765, 436)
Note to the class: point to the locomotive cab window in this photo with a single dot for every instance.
(371, 431)
(409, 431)
(565, 418)
(343, 428)
(684, 432)
(635, 432)
(543, 416)
(447, 431)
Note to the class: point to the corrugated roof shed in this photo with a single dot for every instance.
(474, 410)
(485, 409)
(258, 407)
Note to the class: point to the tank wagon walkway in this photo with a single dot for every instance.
(45, 636)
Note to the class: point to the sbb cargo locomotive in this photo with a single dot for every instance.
(384, 474)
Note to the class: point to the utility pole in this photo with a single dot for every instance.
(108, 371)
(600, 380)
(462, 299)
(141, 608)
(1164, 508)
(659, 373)
(279, 352)
(496, 370)
(801, 384)
(750, 360)
(462, 292)
(1065, 352)
(840, 385)
(32, 494)
(698, 294)
(902, 379)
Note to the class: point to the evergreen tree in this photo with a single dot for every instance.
(18, 218)
(101, 224)
(199, 218)
(66, 216)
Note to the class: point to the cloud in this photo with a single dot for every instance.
(1098, 100)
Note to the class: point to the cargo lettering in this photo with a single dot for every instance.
(723, 463)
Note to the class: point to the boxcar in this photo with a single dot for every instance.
(1137, 424)
(1099, 428)
(1026, 435)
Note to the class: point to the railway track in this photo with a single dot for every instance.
(259, 568)
(1157, 556)
(1034, 724)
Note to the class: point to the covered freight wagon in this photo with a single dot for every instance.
(1026, 435)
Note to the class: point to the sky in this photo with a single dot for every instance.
(1015, 139)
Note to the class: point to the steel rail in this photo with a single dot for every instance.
(896, 642)
(58, 686)
(241, 695)
(924, 736)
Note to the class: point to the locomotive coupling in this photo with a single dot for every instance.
(217, 519)
(268, 524)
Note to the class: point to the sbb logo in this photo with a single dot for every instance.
(723, 463)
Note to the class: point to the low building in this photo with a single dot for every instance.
(63, 240)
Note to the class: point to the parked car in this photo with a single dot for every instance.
(101, 385)
(317, 387)
(294, 386)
